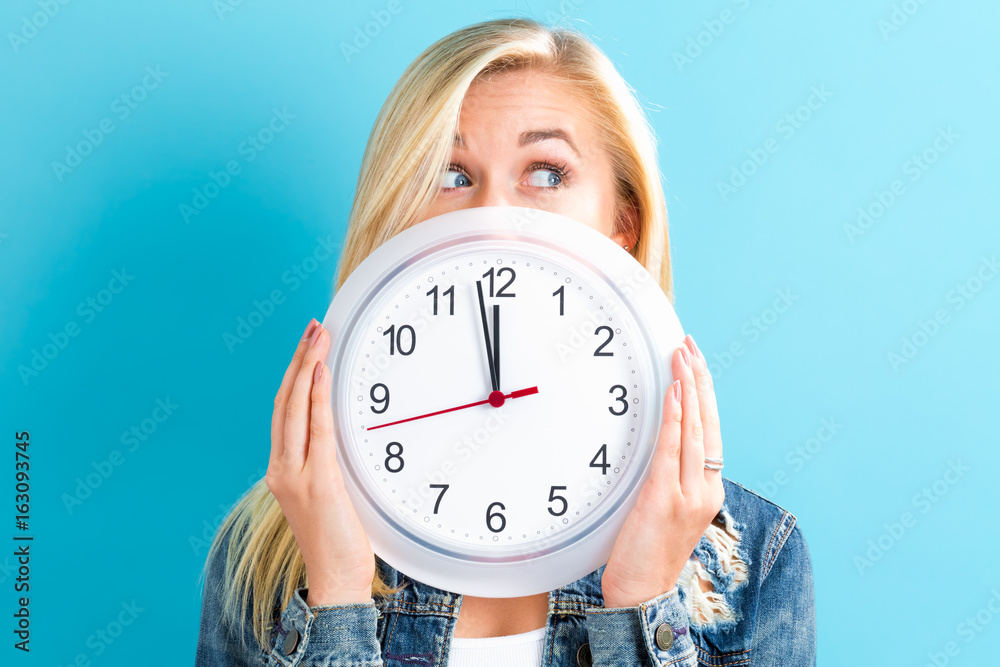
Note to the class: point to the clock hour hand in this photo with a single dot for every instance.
(486, 336)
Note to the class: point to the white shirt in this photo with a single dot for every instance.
(523, 650)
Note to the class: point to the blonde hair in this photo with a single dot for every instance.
(409, 148)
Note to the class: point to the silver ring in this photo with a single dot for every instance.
(713, 463)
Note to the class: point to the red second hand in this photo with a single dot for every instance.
(496, 399)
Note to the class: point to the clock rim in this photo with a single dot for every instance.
(658, 327)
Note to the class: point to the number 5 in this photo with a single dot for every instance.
(553, 497)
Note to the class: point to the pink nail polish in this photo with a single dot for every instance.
(684, 356)
(315, 335)
(689, 344)
(309, 328)
(697, 350)
(676, 389)
(318, 372)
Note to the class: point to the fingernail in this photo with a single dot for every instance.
(684, 356)
(309, 328)
(315, 335)
(318, 372)
(692, 348)
(676, 389)
(697, 350)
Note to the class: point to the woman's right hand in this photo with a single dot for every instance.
(305, 478)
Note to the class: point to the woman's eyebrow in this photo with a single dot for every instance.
(534, 136)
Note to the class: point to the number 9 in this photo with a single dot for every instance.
(384, 400)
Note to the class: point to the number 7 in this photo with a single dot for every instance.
(443, 487)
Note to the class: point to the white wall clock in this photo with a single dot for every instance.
(499, 375)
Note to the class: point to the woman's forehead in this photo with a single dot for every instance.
(529, 106)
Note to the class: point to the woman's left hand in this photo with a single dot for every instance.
(679, 499)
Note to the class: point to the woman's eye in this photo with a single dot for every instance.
(544, 178)
(454, 179)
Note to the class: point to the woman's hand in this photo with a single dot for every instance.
(681, 496)
(306, 480)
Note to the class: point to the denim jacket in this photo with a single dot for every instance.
(759, 611)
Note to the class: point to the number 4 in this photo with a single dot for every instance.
(603, 465)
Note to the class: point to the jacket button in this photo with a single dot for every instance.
(291, 641)
(583, 656)
(664, 636)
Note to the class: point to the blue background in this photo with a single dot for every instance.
(889, 89)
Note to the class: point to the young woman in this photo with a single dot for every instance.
(509, 112)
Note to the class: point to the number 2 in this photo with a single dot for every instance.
(611, 334)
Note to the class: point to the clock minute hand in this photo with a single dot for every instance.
(492, 401)
(486, 336)
(496, 345)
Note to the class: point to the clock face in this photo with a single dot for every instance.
(495, 403)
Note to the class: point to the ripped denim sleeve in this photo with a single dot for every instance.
(716, 567)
